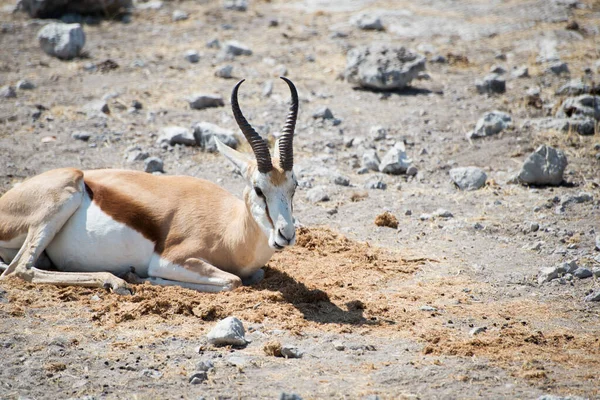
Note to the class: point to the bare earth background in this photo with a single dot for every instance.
(347, 280)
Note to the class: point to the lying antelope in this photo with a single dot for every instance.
(171, 230)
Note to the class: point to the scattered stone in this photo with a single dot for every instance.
(442, 213)
(545, 166)
(151, 373)
(375, 183)
(468, 178)
(598, 243)
(477, 330)
(411, 171)
(202, 101)
(575, 87)
(64, 41)
(317, 194)
(383, 67)
(438, 59)
(582, 273)
(150, 5)
(378, 133)
(213, 44)
(224, 71)
(238, 361)
(491, 123)
(280, 70)
(96, 107)
(596, 272)
(83, 136)
(557, 68)
(367, 21)
(192, 56)
(236, 5)
(53, 8)
(497, 69)
(370, 160)
(339, 346)
(341, 180)
(198, 377)
(387, 219)
(176, 135)
(428, 309)
(136, 154)
(24, 84)
(289, 396)
(584, 106)
(520, 72)
(584, 126)
(581, 197)
(289, 351)
(594, 296)
(153, 164)
(323, 113)
(8, 92)
(547, 274)
(228, 331)
(235, 48)
(491, 84)
(179, 15)
(395, 162)
(204, 365)
(205, 132)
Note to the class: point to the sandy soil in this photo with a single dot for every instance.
(401, 301)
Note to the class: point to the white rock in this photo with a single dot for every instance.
(370, 160)
(205, 132)
(491, 123)
(236, 5)
(176, 135)
(545, 166)
(228, 331)
(317, 194)
(8, 92)
(192, 56)
(224, 71)
(468, 178)
(520, 72)
(383, 67)
(547, 274)
(378, 133)
(236, 48)
(201, 100)
(477, 330)
(179, 15)
(367, 21)
(153, 164)
(64, 41)
(289, 351)
(395, 162)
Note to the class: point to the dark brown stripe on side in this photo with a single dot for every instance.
(128, 211)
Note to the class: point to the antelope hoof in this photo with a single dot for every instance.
(254, 278)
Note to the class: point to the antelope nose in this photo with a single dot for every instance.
(285, 237)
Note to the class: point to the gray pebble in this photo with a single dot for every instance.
(594, 296)
(202, 101)
(323, 113)
(289, 351)
(179, 15)
(192, 56)
(428, 308)
(317, 194)
(25, 84)
(8, 92)
(224, 71)
(198, 377)
(341, 180)
(491, 84)
(582, 273)
(289, 396)
(228, 331)
(204, 365)
(83, 136)
(153, 164)
(557, 68)
(339, 346)
(477, 330)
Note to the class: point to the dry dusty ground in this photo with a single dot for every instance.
(347, 280)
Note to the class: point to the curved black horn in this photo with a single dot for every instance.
(259, 146)
(286, 141)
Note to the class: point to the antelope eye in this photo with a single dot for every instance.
(259, 192)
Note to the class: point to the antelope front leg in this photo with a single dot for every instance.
(104, 280)
(194, 274)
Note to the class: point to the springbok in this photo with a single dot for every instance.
(170, 230)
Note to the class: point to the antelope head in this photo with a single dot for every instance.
(271, 182)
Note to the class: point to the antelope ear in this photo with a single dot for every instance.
(239, 160)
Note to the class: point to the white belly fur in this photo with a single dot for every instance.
(91, 241)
